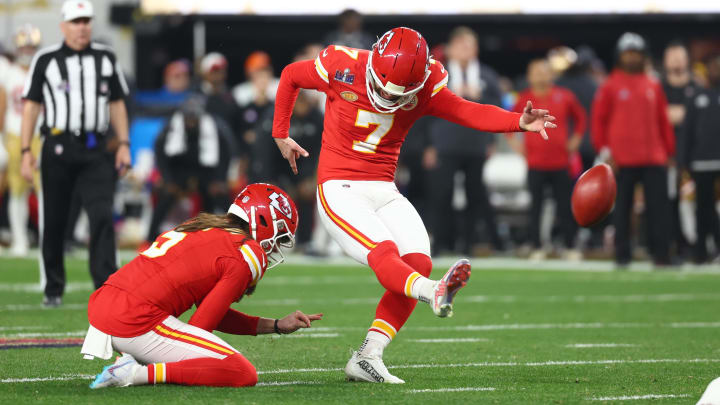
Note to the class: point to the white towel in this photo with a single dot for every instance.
(97, 344)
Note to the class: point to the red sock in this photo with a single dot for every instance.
(395, 309)
(232, 371)
(393, 273)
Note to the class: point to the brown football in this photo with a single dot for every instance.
(594, 195)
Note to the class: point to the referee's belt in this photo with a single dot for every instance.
(77, 133)
(90, 139)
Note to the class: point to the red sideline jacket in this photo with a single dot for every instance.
(552, 154)
(629, 115)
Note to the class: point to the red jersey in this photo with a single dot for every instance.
(629, 116)
(552, 154)
(358, 142)
(210, 269)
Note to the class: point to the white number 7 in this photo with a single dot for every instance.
(383, 121)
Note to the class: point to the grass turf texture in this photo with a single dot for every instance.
(537, 316)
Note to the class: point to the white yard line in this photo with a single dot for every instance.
(333, 332)
(45, 334)
(577, 299)
(598, 345)
(580, 299)
(451, 390)
(7, 328)
(505, 364)
(449, 340)
(637, 397)
(37, 288)
(411, 366)
(65, 377)
(306, 335)
(281, 383)
(35, 307)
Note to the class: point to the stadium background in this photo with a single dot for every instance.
(525, 333)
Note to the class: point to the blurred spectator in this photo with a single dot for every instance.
(218, 99)
(579, 79)
(350, 32)
(26, 41)
(255, 97)
(176, 88)
(455, 148)
(192, 155)
(310, 52)
(548, 160)
(631, 125)
(679, 87)
(261, 85)
(306, 128)
(412, 176)
(702, 157)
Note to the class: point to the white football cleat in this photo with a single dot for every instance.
(446, 288)
(370, 369)
(119, 374)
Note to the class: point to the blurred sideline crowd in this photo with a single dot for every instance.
(197, 141)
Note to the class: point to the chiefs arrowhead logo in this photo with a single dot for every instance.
(281, 203)
(384, 41)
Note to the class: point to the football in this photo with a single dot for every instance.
(594, 195)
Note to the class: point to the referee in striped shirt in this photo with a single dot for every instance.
(79, 88)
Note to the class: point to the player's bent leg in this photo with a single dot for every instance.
(176, 353)
(232, 371)
(391, 314)
(408, 231)
(396, 275)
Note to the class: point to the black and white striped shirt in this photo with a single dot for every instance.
(75, 87)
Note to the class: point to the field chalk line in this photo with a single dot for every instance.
(638, 397)
(411, 366)
(450, 390)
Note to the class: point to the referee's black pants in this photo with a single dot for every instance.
(657, 208)
(67, 165)
(561, 184)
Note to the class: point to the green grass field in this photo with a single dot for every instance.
(531, 337)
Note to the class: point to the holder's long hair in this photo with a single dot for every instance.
(204, 220)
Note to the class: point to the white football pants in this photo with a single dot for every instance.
(360, 214)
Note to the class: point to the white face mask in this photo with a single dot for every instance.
(378, 102)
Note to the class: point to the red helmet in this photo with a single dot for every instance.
(398, 67)
(272, 216)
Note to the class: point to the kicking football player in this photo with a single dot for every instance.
(210, 261)
(373, 97)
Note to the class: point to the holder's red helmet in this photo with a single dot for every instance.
(398, 67)
(272, 217)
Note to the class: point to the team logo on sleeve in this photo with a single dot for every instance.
(345, 76)
(280, 203)
(384, 41)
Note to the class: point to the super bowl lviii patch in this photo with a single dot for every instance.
(345, 76)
